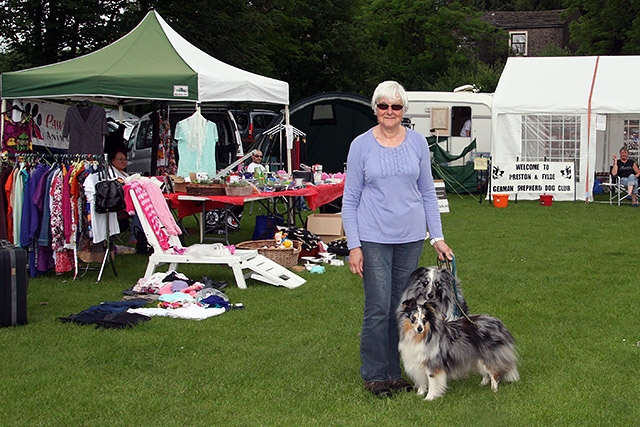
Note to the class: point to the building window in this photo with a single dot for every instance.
(323, 114)
(551, 139)
(518, 43)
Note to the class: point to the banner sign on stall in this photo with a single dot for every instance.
(47, 121)
(533, 177)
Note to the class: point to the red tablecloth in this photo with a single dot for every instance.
(325, 193)
(315, 196)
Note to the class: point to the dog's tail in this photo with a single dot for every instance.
(498, 347)
(512, 375)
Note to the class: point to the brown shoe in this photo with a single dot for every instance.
(399, 385)
(378, 388)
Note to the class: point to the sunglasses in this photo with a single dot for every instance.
(259, 157)
(394, 107)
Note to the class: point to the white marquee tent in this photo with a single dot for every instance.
(554, 108)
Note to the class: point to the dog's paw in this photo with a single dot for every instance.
(485, 380)
(432, 396)
(421, 391)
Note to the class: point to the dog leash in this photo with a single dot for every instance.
(452, 267)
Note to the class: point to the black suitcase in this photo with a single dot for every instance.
(13, 285)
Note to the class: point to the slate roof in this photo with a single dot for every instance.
(522, 20)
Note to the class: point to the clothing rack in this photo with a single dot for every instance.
(109, 243)
(31, 160)
(279, 128)
(52, 157)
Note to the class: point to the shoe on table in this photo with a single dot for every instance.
(399, 385)
(378, 388)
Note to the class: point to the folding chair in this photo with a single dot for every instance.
(263, 268)
(617, 192)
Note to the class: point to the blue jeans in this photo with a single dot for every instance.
(629, 181)
(386, 270)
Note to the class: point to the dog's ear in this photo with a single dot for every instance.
(410, 303)
(447, 275)
(430, 306)
(416, 275)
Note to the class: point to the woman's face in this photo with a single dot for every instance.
(387, 116)
(120, 161)
(624, 155)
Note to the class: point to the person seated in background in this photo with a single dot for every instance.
(466, 128)
(256, 162)
(628, 172)
(118, 161)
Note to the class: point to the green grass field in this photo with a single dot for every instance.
(562, 278)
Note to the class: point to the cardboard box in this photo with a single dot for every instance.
(179, 185)
(327, 226)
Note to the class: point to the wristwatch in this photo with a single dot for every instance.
(435, 239)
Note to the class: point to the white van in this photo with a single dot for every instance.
(128, 120)
(141, 141)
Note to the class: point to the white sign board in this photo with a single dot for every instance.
(443, 203)
(533, 177)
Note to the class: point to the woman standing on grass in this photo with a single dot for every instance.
(389, 202)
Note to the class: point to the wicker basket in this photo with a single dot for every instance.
(239, 191)
(206, 189)
(286, 257)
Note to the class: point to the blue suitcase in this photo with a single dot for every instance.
(13, 285)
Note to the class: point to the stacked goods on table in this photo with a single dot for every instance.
(205, 187)
(239, 188)
(211, 187)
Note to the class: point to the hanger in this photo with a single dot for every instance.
(14, 107)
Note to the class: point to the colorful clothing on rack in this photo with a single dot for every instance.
(64, 258)
(5, 172)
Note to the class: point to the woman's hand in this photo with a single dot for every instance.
(356, 261)
(442, 249)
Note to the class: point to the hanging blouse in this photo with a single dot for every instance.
(85, 126)
(197, 138)
(17, 135)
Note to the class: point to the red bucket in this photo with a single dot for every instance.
(546, 199)
(500, 200)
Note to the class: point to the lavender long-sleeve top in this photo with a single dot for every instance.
(389, 194)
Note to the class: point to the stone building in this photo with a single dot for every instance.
(531, 33)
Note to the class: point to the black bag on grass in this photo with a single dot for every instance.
(266, 226)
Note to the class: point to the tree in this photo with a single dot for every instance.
(319, 46)
(418, 42)
(606, 27)
(39, 32)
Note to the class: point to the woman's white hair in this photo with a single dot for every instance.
(390, 90)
